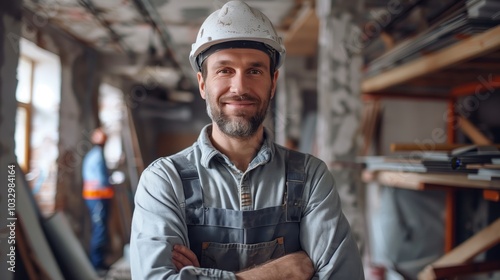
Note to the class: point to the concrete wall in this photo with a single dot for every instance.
(10, 28)
(339, 103)
(77, 114)
(78, 108)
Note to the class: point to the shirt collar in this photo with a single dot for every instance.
(208, 151)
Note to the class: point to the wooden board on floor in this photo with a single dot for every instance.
(67, 249)
(465, 252)
(30, 220)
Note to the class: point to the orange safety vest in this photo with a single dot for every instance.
(94, 190)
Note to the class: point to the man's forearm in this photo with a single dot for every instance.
(295, 266)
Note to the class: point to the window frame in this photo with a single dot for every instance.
(25, 165)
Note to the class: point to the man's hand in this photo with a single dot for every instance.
(182, 256)
(295, 266)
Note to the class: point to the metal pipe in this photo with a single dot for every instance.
(151, 15)
(115, 37)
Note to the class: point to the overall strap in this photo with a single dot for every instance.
(295, 177)
(192, 189)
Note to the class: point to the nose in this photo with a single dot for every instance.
(238, 83)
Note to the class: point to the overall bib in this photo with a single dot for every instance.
(235, 240)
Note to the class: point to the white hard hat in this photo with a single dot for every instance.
(236, 21)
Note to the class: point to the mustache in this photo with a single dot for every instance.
(238, 97)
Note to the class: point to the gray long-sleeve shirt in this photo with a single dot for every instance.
(159, 219)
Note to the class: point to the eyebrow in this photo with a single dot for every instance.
(256, 64)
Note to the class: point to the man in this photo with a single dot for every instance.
(97, 193)
(235, 205)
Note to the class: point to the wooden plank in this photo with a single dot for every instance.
(457, 53)
(477, 244)
(482, 165)
(398, 179)
(405, 147)
(70, 254)
(419, 181)
(26, 254)
(388, 40)
(29, 214)
(406, 95)
(302, 36)
(135, 163)
(123, 205)
(370, 118)
(135, 142)
(465, 252)
(472, 132)
(290, 17)
(466, 269)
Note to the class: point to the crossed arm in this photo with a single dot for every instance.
(295, 266)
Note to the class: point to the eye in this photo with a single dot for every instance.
(224, 71)
(255, 71)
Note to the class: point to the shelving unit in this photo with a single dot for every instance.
(469, 67)
(453, 71)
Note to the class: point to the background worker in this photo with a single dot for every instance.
(97, 193)
(235, 205)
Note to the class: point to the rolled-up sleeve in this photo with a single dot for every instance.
(158, 224)
(325, 232)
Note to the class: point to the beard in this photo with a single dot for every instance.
(243, 124)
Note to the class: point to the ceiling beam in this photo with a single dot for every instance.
(115, 37)
(151, 15)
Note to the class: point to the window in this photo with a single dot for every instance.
(23, 117)
(38, 96)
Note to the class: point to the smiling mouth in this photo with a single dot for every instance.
(239, 100)
(239, 103)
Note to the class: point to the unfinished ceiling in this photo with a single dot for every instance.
(129, 25)
(154, 37)
(163, 30)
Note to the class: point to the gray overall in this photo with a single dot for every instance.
(234, 240)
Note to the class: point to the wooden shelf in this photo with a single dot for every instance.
(449, 183)
(443, 70)
(425, 181)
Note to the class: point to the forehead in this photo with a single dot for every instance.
(239, 56)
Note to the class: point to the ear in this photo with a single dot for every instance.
(275, 82)
(201, 85)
